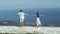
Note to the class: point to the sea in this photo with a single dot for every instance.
(51, 15)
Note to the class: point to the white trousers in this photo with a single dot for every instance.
(38, 21)
(21, 20)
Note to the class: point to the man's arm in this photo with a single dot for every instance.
(17, 14)
(26, 14)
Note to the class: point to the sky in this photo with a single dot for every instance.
(23, 4)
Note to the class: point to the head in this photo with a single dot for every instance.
(37, 14)
(20, 10)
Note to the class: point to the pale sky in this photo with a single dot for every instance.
(17, 4)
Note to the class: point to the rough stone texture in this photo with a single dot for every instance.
(29, 29)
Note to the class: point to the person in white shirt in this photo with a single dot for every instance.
(22, 16)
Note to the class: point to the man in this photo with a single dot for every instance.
(22, 16)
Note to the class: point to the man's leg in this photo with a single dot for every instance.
(21, 22)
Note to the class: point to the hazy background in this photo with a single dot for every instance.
(25, 4)
(49, 8)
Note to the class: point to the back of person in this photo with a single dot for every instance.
(21, 14)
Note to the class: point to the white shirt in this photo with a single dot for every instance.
(22, 15)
